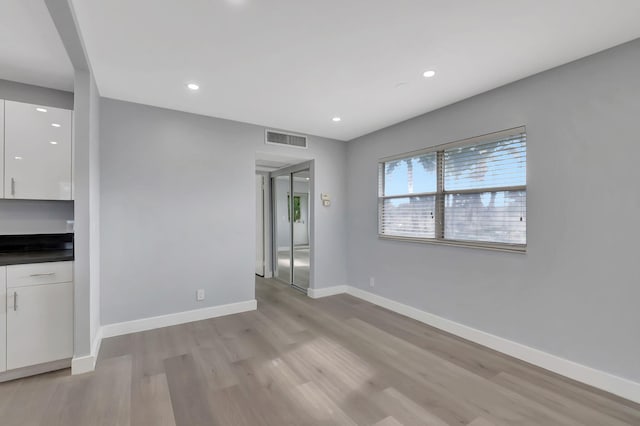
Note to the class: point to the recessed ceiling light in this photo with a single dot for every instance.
(429, 73)
(193, 86)
(41, 109)
(336, 119)
(55, 125)
(18, 157)
(53, 142)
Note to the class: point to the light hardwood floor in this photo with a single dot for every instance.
(298, 361)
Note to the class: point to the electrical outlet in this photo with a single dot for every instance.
(372, 282)
(200, 295)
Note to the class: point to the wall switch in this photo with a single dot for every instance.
(372, 282)
(200, 295)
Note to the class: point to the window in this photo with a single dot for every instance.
(471, 192)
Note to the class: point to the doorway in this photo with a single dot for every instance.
(291, 201)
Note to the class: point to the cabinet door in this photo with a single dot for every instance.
(3, 319)
(37, 152)
(39, 324)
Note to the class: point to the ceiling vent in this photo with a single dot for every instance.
(279, 138)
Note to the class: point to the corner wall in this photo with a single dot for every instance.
(86, 189)
(574, 294)
(86, 193)
(178, 210)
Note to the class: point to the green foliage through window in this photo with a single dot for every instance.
(297, 211)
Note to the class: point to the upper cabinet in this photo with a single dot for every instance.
(37, 152)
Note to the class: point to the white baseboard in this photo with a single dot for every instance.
(316, 293)
(598, 379)
(85, 364)
(151, 323)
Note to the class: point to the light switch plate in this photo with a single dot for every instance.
(200, 295)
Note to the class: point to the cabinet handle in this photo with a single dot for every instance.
(13, 186)
(42, 275)
(15, 300)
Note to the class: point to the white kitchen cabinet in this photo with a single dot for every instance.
(3, 319)
(37, 152)
(39, 315)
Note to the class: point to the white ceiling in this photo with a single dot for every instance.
(30, 48)
(293, 64)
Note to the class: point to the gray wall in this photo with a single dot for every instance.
(35, 217)
(94, 208)
(177, 210)
(575, 293)
(86, 178)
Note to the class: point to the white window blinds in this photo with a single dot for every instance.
(471, 192)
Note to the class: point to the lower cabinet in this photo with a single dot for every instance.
(39, 324)
(39, 314)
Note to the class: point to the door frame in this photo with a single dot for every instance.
(260, 199)
(289, 171)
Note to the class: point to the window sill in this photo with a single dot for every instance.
(508, 248)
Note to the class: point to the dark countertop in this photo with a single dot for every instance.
(36, 256)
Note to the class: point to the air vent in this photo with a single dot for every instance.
(278, 138)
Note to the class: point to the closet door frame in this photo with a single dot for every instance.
(289, 171)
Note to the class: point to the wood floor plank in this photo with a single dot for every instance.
(231, 407)
(388, 421)
(268, 401)
(189, 396)
(152, 401)
(100, 398)
(481, 422)
(22, 401)
(339, 373)
(405, 410)
(214, 366)
(319, 407)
